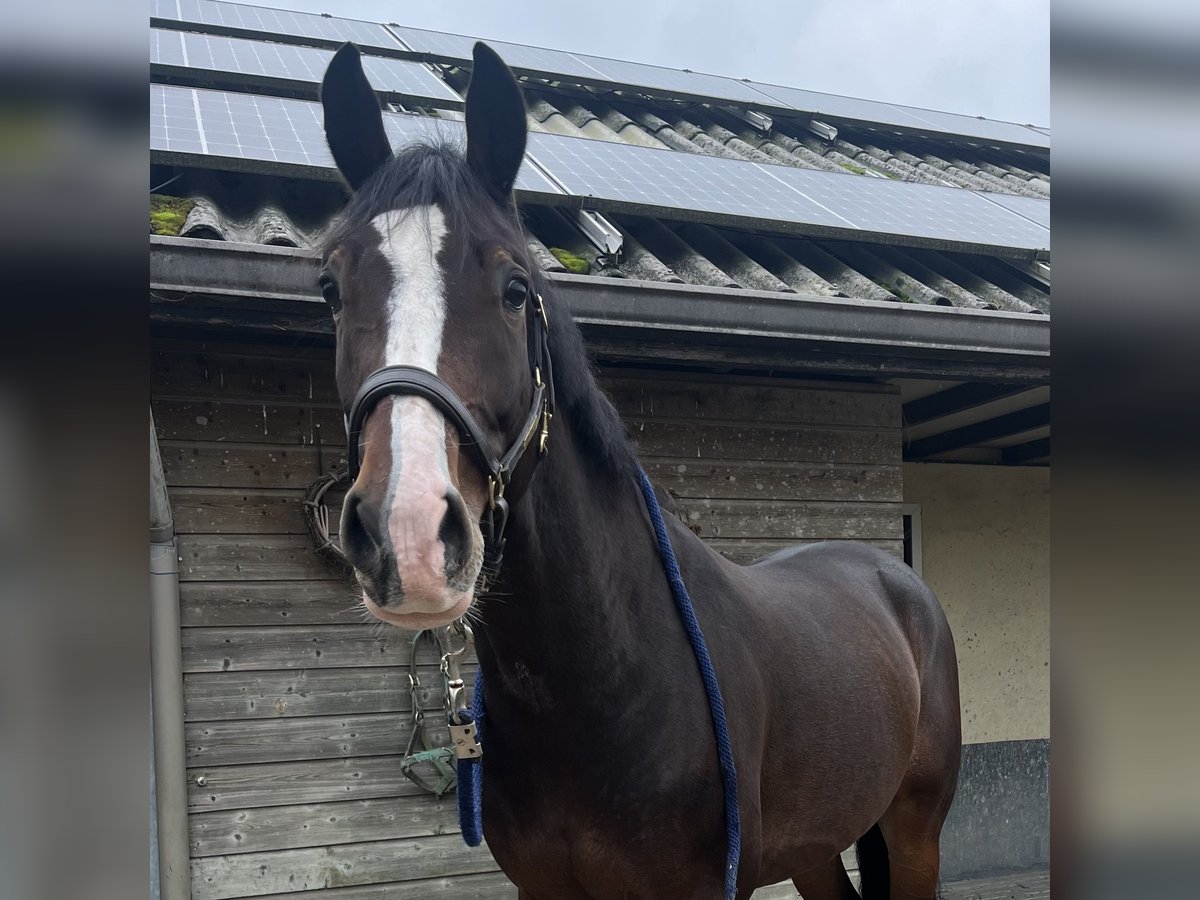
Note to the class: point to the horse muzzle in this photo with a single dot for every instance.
(417, 557)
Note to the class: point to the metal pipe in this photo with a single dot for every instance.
(166, 681)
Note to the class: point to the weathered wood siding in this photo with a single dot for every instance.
(297, 709)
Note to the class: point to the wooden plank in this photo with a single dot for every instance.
(291, 783)
(266, 557)
(281, 693)
(225, 603)
(241, 466)
(239, 511)
(609, 375)
(245, 512)
(730, 442)
(487, 886)
(292, 647)
(252, 423)
(768, 481)
(785, 890)
(344, 865)
(214, 374)
(237, 742)
(800, 521)
(236, 467)
(320, 824)
(291, 557)
(732, 402)
(231, 344)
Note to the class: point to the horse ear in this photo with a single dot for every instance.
(495, 123)
(353, 119)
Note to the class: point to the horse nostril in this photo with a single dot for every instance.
(454, 534)
(362, 539)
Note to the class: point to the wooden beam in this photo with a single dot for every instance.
(1028, 452)
(980, 432)
(955, 400)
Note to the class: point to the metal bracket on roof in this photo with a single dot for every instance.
(753, 117)
(600, 232)
(822, 129)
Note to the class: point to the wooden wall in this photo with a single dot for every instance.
(297, 709)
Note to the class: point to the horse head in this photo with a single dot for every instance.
(427, 271)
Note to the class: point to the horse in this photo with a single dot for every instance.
(600, 775)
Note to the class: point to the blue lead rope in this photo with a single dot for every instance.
(470, 782)
(716, 705)
(470, 775)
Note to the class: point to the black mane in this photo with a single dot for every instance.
(426, 174)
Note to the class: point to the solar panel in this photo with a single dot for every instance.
(927, 212)
(666, 183)
(236, 18)
(1030, 208)
(663, 180)
(166, 48)
(441, 44)
(678, 81)
(594, 69)
(278, 131)
(459, 48)
(185, 50)
(977, 127)
(908, 117)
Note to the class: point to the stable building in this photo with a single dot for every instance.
(821, 317)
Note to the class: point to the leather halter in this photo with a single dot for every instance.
(418, 382)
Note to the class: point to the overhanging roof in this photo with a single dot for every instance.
(269, 288)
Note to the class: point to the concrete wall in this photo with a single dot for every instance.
(986, 554)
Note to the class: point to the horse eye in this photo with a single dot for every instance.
(331, 293)
(516, 293)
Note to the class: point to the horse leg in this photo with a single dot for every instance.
(911, 828)
(827, 881)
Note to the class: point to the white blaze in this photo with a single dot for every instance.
(410, 240)
(416, 314)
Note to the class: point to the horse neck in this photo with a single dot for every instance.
(583, 592)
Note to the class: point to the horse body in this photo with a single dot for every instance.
(600, 772)
(600, 759)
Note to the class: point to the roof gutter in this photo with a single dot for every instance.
(249, 285)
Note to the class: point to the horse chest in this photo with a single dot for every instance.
(595, 860)
(564, 834)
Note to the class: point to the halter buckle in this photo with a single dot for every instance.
(541, 308)
(495, 489)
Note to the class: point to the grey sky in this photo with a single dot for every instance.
(981, 58)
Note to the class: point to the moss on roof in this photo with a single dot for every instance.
(167, 213)
(571, 262)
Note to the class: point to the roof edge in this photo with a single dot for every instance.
(250, 280)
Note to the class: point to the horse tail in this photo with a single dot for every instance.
(873, 871)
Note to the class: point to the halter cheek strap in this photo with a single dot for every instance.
(417, 382)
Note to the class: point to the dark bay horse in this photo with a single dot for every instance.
(600, 772)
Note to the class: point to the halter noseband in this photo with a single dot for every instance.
(417, 382)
